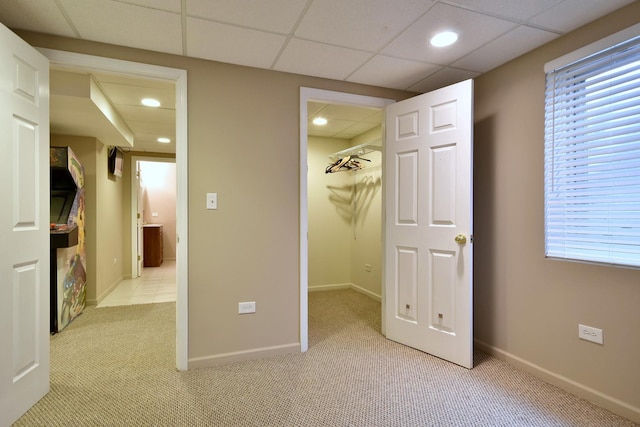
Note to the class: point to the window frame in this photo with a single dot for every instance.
(553, 70)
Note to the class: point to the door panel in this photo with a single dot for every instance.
(428, 202)
(24, 226)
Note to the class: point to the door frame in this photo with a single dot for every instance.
(310, 94)
(179, 76)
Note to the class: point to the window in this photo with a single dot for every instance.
(592, 153)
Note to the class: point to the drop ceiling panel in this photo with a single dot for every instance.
(571, 14)
(504, 48)
(168, 5)
(36, 15)
(206, 39)
(126, 94)
(126, 24)
(474, 31)
(320, 60)
(250, 13)
(360, 24)
(392, 72)
(520, 10)
(442, 78)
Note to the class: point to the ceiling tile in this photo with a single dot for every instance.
(250, 47)
(35, 15)
(250, 13)
(320, 60)
(520, 10)
(445, 77)
(359, 24)
(504, 48)
(391, 72)
(124, 94)
(125, 24)
(571, 14)
(474, 30)
(347, 112)
(168, 5)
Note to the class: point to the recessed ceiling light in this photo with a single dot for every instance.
(443, 39)
(319, 121)
(150, 102)
(164, 140)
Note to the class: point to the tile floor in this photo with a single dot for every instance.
(157, 284)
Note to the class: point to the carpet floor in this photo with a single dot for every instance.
(115, 366)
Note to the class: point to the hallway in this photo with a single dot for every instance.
(157, 284)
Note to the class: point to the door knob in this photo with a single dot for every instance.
(461, 239)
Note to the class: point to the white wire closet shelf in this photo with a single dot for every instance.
(359, 150)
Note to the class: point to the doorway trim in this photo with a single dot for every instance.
(179, 76)
(310, 94)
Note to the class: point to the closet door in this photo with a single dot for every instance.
(24, 226)
(428, 224)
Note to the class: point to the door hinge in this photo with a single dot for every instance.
(138, 215)
(139, 257)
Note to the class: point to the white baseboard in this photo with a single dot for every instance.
(608, 402)
(352, 286)
(241, 356)
(106, 293)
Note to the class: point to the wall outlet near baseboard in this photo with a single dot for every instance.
(590, 333)
(367, 267)
(246, 307)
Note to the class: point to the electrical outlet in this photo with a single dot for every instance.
(246, 307)
(590, 334)
(367, 267)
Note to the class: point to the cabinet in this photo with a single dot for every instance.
(152, 245)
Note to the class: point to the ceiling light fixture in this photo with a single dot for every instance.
(164, 140)
(319, 121)
(443, 39)
(150, 102)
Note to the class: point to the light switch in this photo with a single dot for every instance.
(212, 200)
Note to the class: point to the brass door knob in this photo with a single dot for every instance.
(461, 239)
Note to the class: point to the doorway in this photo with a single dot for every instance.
(308, 95)
(100, 64)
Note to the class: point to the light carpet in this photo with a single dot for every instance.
(115, 366)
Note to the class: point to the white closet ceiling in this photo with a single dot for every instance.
(376, 42)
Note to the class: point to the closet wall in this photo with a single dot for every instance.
(345, 244)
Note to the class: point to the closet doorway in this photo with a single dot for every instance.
(341, 195)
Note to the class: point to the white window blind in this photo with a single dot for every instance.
(592, 157)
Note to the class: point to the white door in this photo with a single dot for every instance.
(428, 203)
(24, 226)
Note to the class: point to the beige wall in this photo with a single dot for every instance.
(366, 246)
(330, 215)
(344, 218)
(105, 231)
(243, 144)
(528, 307)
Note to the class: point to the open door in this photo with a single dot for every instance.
(428, 224)
(24, 226)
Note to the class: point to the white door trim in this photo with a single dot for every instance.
(311, 94)
(97, 63)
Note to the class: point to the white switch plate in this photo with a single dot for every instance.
(590, 334)
(212, 200)
(246, 307)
